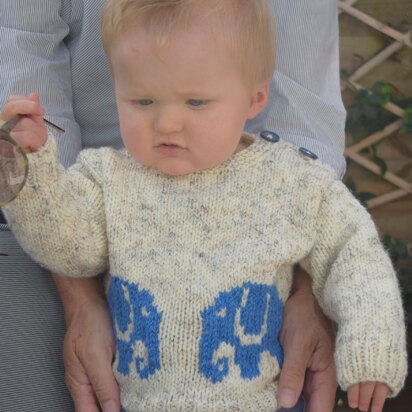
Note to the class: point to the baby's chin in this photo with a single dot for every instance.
(176, 169)
(179, 166)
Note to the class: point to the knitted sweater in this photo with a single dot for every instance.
(201, 265)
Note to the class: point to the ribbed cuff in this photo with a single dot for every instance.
(383, 360)
(43, 163)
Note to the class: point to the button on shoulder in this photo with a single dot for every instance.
(270, 136)
(307, 153)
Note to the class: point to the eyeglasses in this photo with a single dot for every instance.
(14, 165)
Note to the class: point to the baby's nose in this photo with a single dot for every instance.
(168, 120)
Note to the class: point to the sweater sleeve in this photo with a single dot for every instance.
(356, 285)
(58, 217)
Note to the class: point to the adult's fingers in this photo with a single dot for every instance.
(84, 400)
(292, 376)
(308, 348)
(98, 365)
(88, 353)
(79, 385)
(320, 389)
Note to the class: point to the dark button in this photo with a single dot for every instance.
(270, 136)
(307, 153)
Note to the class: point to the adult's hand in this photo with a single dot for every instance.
(308, 342)
(88, 349)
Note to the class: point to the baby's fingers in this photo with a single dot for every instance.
(29, 140)
(31, 96)
(353, 396)
(380, 393)
(365, 395)
(22, 105)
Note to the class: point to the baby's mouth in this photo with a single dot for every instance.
(169, 149)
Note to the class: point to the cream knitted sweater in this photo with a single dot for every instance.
(201, 265)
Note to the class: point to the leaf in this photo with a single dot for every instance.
(370, 111)
(407, 121)
(387, 242)
(396, 248)
(355, 113)
(366, 115)
(363, 197)
(407, 304)
(350, 184)
(405, 280)
(362, 95)
(382, 164)
(383, 90)
(344, 73)
(401, 250)
(376, 100)
(378, 160)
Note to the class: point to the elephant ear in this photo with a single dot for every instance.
(118, 304)
(254, 306)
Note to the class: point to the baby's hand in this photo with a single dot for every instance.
(30, 132)
(361, 394)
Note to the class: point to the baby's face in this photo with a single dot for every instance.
(182, 107)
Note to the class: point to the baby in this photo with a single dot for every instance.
(199, 225)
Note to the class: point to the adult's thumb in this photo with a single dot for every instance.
(291, 379)
(109, 406)
(105, 387)
(107, 393)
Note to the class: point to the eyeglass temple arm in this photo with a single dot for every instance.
(9, 125)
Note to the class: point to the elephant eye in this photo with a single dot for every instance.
(144, 311)
(222, 313)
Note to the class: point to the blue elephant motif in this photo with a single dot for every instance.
(248, 318)
(136, 322)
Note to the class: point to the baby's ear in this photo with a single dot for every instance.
(259, 99)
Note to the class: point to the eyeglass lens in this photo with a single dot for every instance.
(13, 170)
(13, 162)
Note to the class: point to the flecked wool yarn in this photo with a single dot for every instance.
(200, 267)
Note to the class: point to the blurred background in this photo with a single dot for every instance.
(376, 81)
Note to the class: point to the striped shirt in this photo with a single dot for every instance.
(53, 48)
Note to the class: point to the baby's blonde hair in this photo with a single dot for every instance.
(246, 27)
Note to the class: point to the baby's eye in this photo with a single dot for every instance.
(143, 102)
(196, 102)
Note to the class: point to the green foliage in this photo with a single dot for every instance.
(363, 197)
(344, 73)
(366, 115)
(381, 93)
(398, 252)
(377, 159)
(407, 121)
(396, 248)
(405, 278)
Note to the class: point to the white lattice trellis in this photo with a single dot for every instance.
(399, 40)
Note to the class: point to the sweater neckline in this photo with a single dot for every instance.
(245, 159)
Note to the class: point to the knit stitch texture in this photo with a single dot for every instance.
(201, 265)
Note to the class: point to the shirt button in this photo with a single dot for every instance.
(270, 136)
(307, 153)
